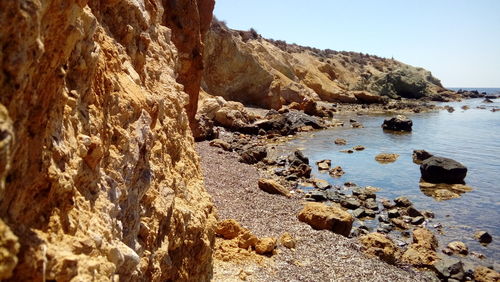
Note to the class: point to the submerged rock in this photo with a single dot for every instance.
(458, 247)
(443, 170)
(398, 123)
(340, 141)
(483, 237)
(386, 158)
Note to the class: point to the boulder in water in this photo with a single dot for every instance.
(443, 170)
(398, 123)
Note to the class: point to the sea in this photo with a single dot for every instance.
(470, 136)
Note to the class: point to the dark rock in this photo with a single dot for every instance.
(358, 148)
(280, 171)
(443, 170)
(398, 123)
(359, 212)
(340, 141)
(483, 237)
(347, 151)
(487, 100)
(428, 214)
(321, 184)
(420, 155)
(203, 129)
(350, 184)
(449, 268)
(303, 170)
(384, 228)
(413, 212)
(363, 193)
(402, 202)
(291, 177)
(297, 158)
(400, 223)
(318, 196)
(418, 220)
(334, 196)
(394, 213)
(324, 164)
(253, 155)
(383, 218)
(350, 203)
(356, 125)
(388, 204)
(370, 213)
(371, 204)
(220, 144)
(336, 172)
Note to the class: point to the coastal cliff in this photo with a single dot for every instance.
(242, 66)
(99, 177)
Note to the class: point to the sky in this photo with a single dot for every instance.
(457, 40)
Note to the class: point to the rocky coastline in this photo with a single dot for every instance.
(404, 235)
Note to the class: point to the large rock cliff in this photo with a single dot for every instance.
(101, 178)
(242, 66)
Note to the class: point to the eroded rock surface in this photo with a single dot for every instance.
(105, 180)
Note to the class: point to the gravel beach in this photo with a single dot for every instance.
(319, 255)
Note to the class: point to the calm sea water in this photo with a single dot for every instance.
(471, 137)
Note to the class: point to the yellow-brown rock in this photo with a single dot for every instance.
(265, 245)
(105, 182)
(379, 245)
(321, 216)
(273, 187)
(422, 252)
(484, 274)
(288, 241)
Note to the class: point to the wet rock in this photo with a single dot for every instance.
(399, 223)
(450, 268)
(388, 204)
(303, 170)
(298, 158)
(383, 218)
(340, 141)
(413, 212)
(350, 184)
(265, 245)
(363, 193)
(288, 241)
(334, 196)
(386, 158)
(273, 187)
(402, 202)
(220, 144)
(484, 274)
(379, 245)
(336, 172)
(385, 228)
(321, 184)
(356, 125)
(428, 214)
(443, 170)
(487, 100)
(450, 109)
(370, 213)
(371, 204)
(358, 213)
(321, 216)
(318, 196)
(465, 107)
(417, 220)
(347, 151)
(253, 154)
(458, 247)
(350, 203)
(483, 237)
(358, 148)
(393, 213)
(324, 164)
(397, 123)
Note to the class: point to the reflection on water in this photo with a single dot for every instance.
(471, 137)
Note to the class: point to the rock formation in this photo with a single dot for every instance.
(243, 66)
(101, 178)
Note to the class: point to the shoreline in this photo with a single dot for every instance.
(237, 142)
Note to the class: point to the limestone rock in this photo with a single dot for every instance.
(265, 245)
(340, 141)
(458, 247)
(273, 187)
(288, 241)
(484, 274)
(422, 252)
(379, 245)
(102, 94)
(321, 216)
(386, 158)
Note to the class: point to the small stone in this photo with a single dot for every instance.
(400, 223)
(370, 213)
(458, 247)
(324, 164)
(265, 245)
(350, 203)
(363, 193)
(347, 151)
(385, 228)
(359, 212)
(413, 212)
(428, 214)
(383, 218)
(402, 202)
(358, 148)
(371, 204)
(273, 187)
(350, 184)
(318, 196)
(288, 241)
(388, 204)
(386, 158)
(336, 172)
(356, 125)
(220, 144)
(340, 141)
(484, 274)
(321, 184)
(483, 237)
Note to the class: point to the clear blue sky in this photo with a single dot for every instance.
(457, 40)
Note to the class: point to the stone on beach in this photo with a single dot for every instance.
(288, 241)
(320, 216)
(379, 245)
(265, 245)
(458, 247)
(273, 187)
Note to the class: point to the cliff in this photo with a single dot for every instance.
(101, 178)
(242, 66)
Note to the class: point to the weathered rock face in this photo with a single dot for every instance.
(104, 179)
(268, 73)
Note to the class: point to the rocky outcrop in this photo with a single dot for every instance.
(397, 123)
(443, 170)
(106, 183)
(243, 66)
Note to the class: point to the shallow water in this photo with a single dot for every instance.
(471, 137)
